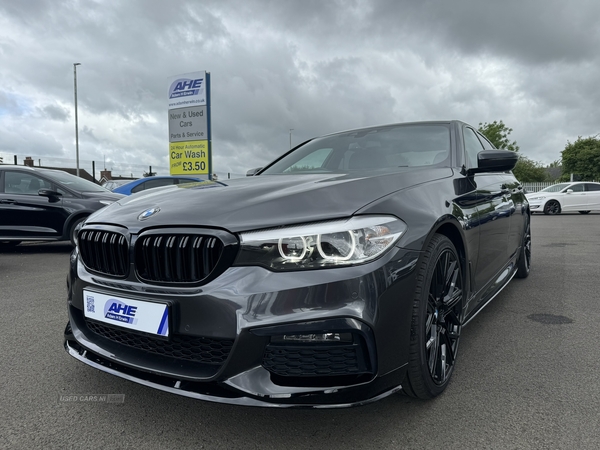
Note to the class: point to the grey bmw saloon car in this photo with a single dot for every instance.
(338, 274)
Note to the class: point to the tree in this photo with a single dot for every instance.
(498, 134)
(528, 170)
(582, 157)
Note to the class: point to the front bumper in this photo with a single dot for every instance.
(248, 305)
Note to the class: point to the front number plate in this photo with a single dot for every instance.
(127, 313)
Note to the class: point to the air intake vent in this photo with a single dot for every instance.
(104, 251)
(177, 258)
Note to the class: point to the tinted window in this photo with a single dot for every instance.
(138, 188)
(24, 183)
(576, 188)
(592, 187)
(159, 182)
(472, 147)
(487, 145)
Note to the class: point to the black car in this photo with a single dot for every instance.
(340, 273)
(44, 204)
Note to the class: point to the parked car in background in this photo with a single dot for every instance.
(42, 204)
(338, 274)
(113, 184)
(581, 196)
(143, 184)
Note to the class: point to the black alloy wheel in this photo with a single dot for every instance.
(436, 321)
(524, 264)
(584, 212)
(552, 207)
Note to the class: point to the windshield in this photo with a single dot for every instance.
(75, 183)
(386, 147)
(555, 187)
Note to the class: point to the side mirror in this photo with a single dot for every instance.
(53, 196)
(569, 191)
(253, 172)
(495, 161)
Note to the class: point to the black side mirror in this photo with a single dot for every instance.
(53, 196)
(495, 161)
(253, 172)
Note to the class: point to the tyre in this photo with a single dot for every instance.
(584, 212)
(72, 231)
(524, 263)
(436, 320)
(552, 207)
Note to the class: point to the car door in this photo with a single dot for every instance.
(25, 213)
(574, 198)
(493, 223)
(592, 197)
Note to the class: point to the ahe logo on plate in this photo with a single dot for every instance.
(116, 310)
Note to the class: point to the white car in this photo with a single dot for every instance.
(582, 196)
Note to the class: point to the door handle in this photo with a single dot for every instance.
(6, 201)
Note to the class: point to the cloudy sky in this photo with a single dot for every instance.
(314, 66)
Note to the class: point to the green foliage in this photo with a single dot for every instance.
(582, 157)
(498, 134)
(527, 170)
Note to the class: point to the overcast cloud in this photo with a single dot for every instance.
(314, 66)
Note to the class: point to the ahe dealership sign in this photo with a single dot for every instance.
(189, 124)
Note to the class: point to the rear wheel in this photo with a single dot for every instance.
(524, 264)
(436, 320)
(584, 212)
(552, 207)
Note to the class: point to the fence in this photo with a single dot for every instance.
(537, 186)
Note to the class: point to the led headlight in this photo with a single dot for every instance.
(325, 244)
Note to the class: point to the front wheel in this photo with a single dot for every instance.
(436, 320)
(552, 207)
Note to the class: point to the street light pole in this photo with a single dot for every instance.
(291, 129)
(76, 123)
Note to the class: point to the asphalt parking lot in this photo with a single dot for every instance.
(527, 375)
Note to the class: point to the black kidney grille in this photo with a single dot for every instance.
(312, 361)
(104, 251)
(177, 258)
(190, 348)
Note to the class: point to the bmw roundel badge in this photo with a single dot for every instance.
(148, 213)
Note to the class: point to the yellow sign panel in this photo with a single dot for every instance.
(189, 158)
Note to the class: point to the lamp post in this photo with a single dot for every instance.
(76, 123)
(291, 129)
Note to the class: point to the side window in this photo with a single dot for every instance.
(139, 187)
(160, 182)
(576, 188)
(592, 187)
(24, 183)
(472, 147)
(487, 145)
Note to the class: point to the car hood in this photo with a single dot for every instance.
(262, 201)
